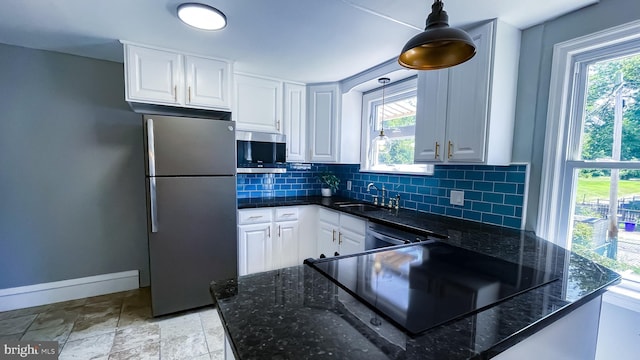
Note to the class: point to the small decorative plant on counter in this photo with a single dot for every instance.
(329, 183)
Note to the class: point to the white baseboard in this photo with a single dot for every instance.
(53, 292)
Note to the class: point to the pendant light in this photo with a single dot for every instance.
(381, 142)
(202, 16)
(439, 46)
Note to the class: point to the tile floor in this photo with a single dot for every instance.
(116, 327)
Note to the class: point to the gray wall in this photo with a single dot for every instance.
(72, 200)
(534, 78)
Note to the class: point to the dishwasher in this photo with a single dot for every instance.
(379, 236)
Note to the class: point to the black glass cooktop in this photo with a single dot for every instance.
(424, 285)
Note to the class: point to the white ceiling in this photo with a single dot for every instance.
(297, 40)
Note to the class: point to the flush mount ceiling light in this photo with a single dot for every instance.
(202, 16)
(439, 46)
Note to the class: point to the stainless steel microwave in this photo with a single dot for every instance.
(261, 152)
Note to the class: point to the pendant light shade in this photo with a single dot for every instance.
(381, 142)
(439, 46)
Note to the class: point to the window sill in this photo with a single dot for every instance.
(625, 294)
(429, 170)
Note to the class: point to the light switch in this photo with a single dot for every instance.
(457, 197)
(348, 184)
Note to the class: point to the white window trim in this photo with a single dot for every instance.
(553, 190)
(371, 98)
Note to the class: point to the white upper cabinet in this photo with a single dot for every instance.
(295, 118)
(466, 113)
(258, 104)
(207, 82)
(323, 107)
(163, 77)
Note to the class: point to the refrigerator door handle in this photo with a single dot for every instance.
(151, 148)
(154, 205)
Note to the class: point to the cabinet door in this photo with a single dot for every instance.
(207, 82)
(431, 116)
(254, 248)
(350, 242)
(327, 239)
(467, 111)
(323, 106)
(153, 76)
(285, 252)
(258, 103)
(295, 118)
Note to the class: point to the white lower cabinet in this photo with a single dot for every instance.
(339, 233)
(269, 238)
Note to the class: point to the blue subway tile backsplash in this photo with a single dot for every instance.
(492, 194)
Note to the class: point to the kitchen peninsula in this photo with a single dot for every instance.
(300, 313)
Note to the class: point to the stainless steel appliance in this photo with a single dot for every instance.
(191, 206)
(379, 236)
(261, 152)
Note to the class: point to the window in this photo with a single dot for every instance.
(590, 197)
(399, 124)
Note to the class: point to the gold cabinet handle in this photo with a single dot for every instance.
(189, 94)
(278, 125)
(437, 156)
(450, 154)
(339, 238)
(334, 235)
(175, 93)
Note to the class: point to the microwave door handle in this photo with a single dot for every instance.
(388, 239)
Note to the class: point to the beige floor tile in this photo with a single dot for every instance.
(135, 337)
(88, 348)
(134, 315)
(210, 319)
(57, 333)
(215, 338)
(185, 325)
(53, 318)
(12, 337)
(92, 326)
(183, 347)
(22, 312)
(217, 355)
(149, 351)
(16, 325)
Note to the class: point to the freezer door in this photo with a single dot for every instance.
(195, 240)
(180, 146)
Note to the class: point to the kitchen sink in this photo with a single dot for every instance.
(360, 207)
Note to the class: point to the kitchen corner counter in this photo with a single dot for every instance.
(297, 312)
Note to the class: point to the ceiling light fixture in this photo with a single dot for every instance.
(438, 46)
(202, 16)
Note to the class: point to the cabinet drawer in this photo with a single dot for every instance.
(329, 216)
(286, 214)
(254, 216)
(353, 224)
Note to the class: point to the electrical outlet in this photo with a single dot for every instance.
(457, 197)
(349, 185)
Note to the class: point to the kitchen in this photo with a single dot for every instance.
(87, 149)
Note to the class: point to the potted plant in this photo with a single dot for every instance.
(329, 183)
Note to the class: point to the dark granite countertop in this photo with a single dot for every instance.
(298, 313)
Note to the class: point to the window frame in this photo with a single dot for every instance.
(396, 91)
(564, 129)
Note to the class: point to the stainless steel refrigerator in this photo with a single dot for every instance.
(191, 207)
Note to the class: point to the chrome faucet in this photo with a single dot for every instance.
(375, 197)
